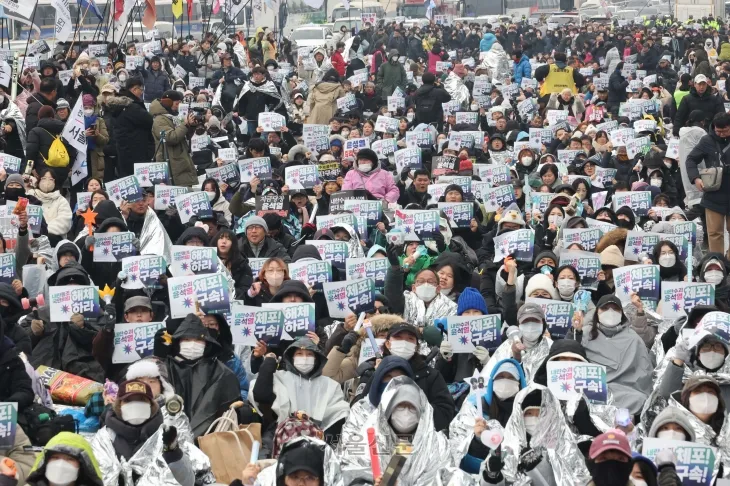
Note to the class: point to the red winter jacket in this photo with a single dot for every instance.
(338, 63)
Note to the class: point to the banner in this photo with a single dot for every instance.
(585, 237)
(124, 189)
(8, 425)
(250, 324)
(558, 315)
(350, 297)
(335, 252)
(258, 167)
(408, 157)
(64, 26)
(150, 174)
(165, 196)
(642, 279)
(191, 260)
(134, 341)
(299, 318)
(518, 244)
(312, 273)
(418, 224)
(374, 268)
(467, 332)
(301, 176)
(679, 298)
(459, 214)
(114, 247)
(568, 380)
(144, 271)
(67, 300)
(193, 204)
(695, 464)
(586, 263)
(208, 292)
(638, 201)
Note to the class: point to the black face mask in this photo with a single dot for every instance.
(4, 311)
(611, 473)
(13, 193)
(622, 223)
(214, 333)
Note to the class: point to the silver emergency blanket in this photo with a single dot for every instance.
(531, 361)
(352, 429)
(354, 247)
(430, 449)
(147, 463)
(451, 476)
(497, 63)
(332, 473)
(602, 414)
(553, 439)
(153, 240)
(455, 86)
(461, 429)
(12, 111)
(416, 313)
(268, 88)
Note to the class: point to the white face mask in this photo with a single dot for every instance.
(609, 318)
(211, 195)
(410, 116)
(670, 435)
(703, 403)
(426, 292)
(122, 78)
(638, 482)
(192, 350)
(270, 68)
(714, 277)
(712, 360)
(88, 111)
(505, 388)
(94, 70)
(531, 425)
(61, 473)
(404, 420)
(526, 161)
(402, 349)
(656, 182)
(275, 281)
(46, 185)
(667, 261)
(474, 107)
(556, 220)
(136, 413)
(304, 364)
(365, 167)
(531, 331)
(566, 288)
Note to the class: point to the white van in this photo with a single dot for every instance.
(357, 9)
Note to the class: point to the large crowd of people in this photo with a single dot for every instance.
(426, 254)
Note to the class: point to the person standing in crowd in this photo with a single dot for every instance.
(132, 127)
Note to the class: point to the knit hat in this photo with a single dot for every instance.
(16, 178)
(255, 221)
(471, 299)
(46, 112)
(88, 100)
(612, 256)
(541, 281)
(672, 415)
(531, 310)
(508, 366)
(62, 103)
(368, 154)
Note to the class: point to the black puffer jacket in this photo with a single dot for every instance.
(132, 130)
(428, 99)
(10, 316)
(40, 140)
(15, 384)
(35, 103)
(706, 102)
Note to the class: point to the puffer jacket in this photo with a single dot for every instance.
(176, 142)
(155, 83)
(39, 143)
(522, 69)
(323, 102)
(132, 131)
(378, 182)
(706, 102)
(486, 43)
(56, 211)
(391, 75)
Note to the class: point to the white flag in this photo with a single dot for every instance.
(64, 25)
(80, 168)
(75, 129)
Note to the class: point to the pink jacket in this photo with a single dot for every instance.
(379, 183)
(432, 60)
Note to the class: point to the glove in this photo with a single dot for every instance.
(680, 350)
(392, 252)
(169, 437)
(492, 473)
(446, 350)
(37, 327)
(404, 174)
(89, 242)
(440, 242)
(480, 352)
(665, 457)
(77, 320)
(348, 342)
(109, 319)
(529, 460)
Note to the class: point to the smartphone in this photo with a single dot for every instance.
(623, 417)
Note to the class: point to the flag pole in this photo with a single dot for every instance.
(78, 29)
(27, 43)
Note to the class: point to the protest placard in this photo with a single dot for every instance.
(418, 224)
(586, 263)
(384, 148)
(350, 297)
(585, 237)
(518, 244)
(250, 324)
(226, 174)
(165, 196)
(143, 271)
(312, 273)
(408, 157)
(558, 315)
(114, 247)
(150, 173)
(257, 167)
(696, 464)
(124, 189)
(568, 380)
(67, 300)
(191, 260)
(679, 298)
(386, 124)
(459, 214)
(466, 332)
(641, 279)
(208, 293)
(374, 268)
(335, 252)
(8, 424)
(299, 318)
(301, 176)
(7, 267)
(638, 201)
(367, 213)
(193, 204)
(271, 122)
(134, 341)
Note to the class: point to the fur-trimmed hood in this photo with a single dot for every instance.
(151, 368)
(380, 323)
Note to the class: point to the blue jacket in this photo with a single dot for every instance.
(235, 365)
(523, 69)
(486, 43)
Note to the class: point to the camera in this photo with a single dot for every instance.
(199, 115)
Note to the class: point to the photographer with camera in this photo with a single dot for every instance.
(175, 144)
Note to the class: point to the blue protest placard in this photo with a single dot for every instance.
(568, 380)
(462, 181)
(417, 224)
(374, 268)
(696, 463)
(193, 204)
(467, 332)
(249, 324)
(585, 237)
(459, 214)
(143, 271)
(7, 267)
(408, 157)
(301, 176)
(498, 197)
(680, 241)
(191, 260)
(312, 273)
(165, 196)
(299, 319)
(367, 214)
(638, 201)
(134, 341)
(35, 218)
(124, 189)
(67, 300)
(518, 244)
(640, 243)
(350, 297)
(586, 263)
(258, 167)
(208, 292)
(152, 173)
(642, 279)
(10, 163)
(717, 323)
(114, 247)
(679, 298)
(8, 424)
(335, 252)
(558, 315)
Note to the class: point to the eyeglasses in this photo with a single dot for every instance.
(275, 271)
(421, 282)
(303, 478)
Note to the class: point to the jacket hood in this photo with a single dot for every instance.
(308, 344)
(151, 368)
(325, 87)
(192, 327)
(292, 287)
(672, 415)
(106, 209)
(72, 272)
(608, 211)
(713, 256)
(462, 275)
(496, 370)
(388, 364)
(109, 222)
(558, 347)
(75, 446)
(7, 293)
(45, 64)
(306, 251)
(193, 232)
(675, 210)
(156, 109)
(116, 104)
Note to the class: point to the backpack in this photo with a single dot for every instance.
(41, 423)
(57, 153)
(426, 108)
